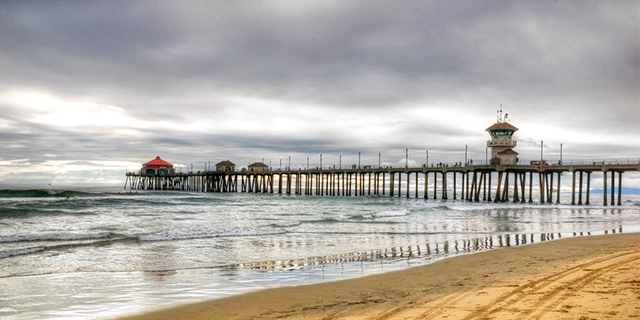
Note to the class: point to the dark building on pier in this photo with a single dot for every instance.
(258, 167)
(226, 166)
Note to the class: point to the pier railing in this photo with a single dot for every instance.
(437, 165)
(475, 182)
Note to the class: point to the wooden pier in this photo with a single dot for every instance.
(496, 183)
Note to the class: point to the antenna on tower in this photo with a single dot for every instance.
(501, 112)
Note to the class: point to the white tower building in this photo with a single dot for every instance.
(502, 142)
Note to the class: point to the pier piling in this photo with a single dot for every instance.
(474, 181)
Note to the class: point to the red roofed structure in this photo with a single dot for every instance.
(157, 166)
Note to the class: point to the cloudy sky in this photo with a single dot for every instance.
(89, 89)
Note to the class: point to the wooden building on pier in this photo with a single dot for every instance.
(258, 167)
(226, 166)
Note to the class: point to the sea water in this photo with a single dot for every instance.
(99, 253)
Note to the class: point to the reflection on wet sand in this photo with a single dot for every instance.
(423, 251)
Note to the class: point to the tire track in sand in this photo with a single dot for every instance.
(533, 299)
(577, 279)
(548, 302)
(417, 311)
(439, 308)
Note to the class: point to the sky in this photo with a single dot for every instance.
(92, 89)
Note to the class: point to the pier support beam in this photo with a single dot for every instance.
(573, 188)
(530, 186)
(408, 183)
(444, 185)
(497, 197)
(474, 186)
(541, 181)
(489, 189)
(484, 183)
(462, 193)
(550, 187)
(435, 185)
(426, 185)
(588, 186)
(518, 191)
(416, 185)
(384, 181)
(619, 188)
(558, 188)
(454, 185)
(613, 187)
(604, 193)
(505, 192)
(580, 190)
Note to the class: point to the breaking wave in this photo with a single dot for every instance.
(55, 237)
(382, 214)
(287, 224)
(42, 193)
(197, 233)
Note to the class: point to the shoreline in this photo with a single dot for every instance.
(503, 282)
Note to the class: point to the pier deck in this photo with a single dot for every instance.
(510, 182)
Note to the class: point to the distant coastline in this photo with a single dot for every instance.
(624, 191)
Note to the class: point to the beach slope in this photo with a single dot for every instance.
(590, 277)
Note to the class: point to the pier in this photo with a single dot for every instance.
(503, 179)
(484, 182)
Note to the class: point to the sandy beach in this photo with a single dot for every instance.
(589, 277)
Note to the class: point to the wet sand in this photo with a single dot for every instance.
(590, 277)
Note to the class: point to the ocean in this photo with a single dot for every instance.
(104, 252)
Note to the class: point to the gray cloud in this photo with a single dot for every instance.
(421, 71)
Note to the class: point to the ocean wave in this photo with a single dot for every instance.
(48, 210)
(55, 237)
(391, 213)
(324, 220)
(20, 252)
(633, 203)
(68, 243)
(382, 214)
(199, 233)
(42, 193)
(287, 224)
(12, 212)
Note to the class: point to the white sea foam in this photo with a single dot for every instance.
(197, 233)
(484, 206)
(391, 213)
(288, 224)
